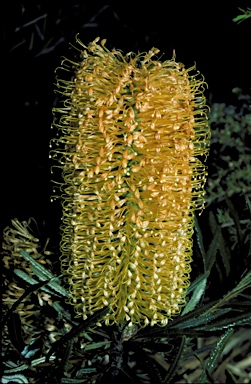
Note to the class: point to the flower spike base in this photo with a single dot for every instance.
(131, 139)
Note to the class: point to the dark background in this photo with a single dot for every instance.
(36, 36)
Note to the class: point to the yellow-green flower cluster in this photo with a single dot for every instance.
(130, 136)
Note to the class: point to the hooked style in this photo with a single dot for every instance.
(132, 136)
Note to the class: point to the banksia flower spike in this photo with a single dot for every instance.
(130, 139)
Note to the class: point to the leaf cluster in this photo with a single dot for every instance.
(82, 352)
(245, 15)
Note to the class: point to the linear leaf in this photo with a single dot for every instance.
(174, 324)
(189, 332)
(196, 296)
(59, 371)
(225, 254)
(100, 344)
(208, 376)
(175, 363)
(52, 284)
(39, 266)
(212, 250)
(212, 222)
(28, 291)
(222, 247)
(45, 274)
(86, 371)
(24, 276)
(15, 332)
(25, 366)
(230, 322)
(197, 281)
(200, 242)
(15, 379)
(215, 355)
(204, 319)
(190, 315)
(75, 331)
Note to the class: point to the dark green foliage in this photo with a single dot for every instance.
(76, 331)
(214, 356)
(87, 353)
(229, 160)
(175, 363)
(15, 332)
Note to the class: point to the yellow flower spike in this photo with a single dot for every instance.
(130, 140)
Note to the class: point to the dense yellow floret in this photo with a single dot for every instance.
(131, 135)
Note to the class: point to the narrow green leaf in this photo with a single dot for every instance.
(19, 368)
(15, 379)
(173, 332)
(40, 360)
(204, 319)
(190, 315)
(225, 254)
(212, 222)
(59, 371)
(22, 367)
(175, 363)
(53, 284)
(230, 322)
(28, 291)
(98, 345)
(215, 355)
(212, 250)
(174, 324)
(196, 282)
(198, 292)
(86, 371)
(75, 331)
(39, 266)
(208, 376)
(240, 18)
(15, 332)
(222, 247)
(24, 276)
(200, 242)
(44, 274)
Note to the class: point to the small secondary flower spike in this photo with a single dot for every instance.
(130, 139)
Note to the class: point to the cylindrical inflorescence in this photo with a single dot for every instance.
(131, 137)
